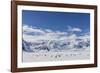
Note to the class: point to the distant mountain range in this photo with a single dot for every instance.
(55, 45)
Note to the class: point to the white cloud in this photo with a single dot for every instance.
(48, 34)
(48, 31)
(45, 34)
(74, 29)
(30, 29)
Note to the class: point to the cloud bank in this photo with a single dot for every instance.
(34, 33)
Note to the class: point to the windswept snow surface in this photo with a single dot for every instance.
(47, 45)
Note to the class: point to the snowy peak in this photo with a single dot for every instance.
(55, 45)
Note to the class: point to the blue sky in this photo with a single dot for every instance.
(56, 20)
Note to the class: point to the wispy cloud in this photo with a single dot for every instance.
(29, 29)
(74, 29)
(45, 34)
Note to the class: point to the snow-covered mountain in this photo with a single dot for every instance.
(36, 39)
(55, 45)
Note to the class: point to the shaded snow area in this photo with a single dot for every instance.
(49, 45)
